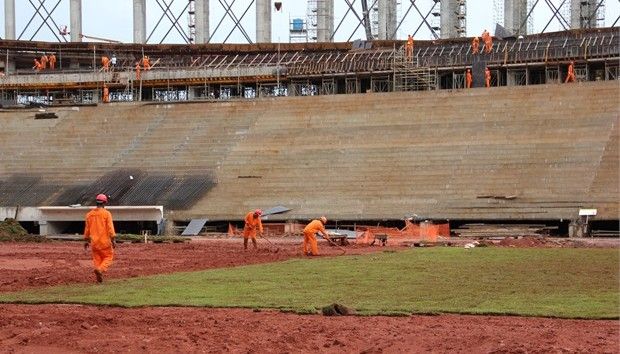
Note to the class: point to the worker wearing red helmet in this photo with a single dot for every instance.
(99, 234)
(252, 225)
(310, 231)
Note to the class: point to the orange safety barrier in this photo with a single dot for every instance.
(233, 231)
(424, 231)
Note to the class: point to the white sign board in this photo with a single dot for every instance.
(587, 212)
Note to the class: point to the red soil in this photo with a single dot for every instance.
(73, 328)
(27, 265)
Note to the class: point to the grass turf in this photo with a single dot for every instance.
(569, 283)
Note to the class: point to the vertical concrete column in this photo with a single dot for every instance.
(515, 12)
(387, 19)
(263, 21)
(75, 20)
(202, 21)
(583, 14)
(325, 20)
(139, 21)
(449, 21)
(9, 19)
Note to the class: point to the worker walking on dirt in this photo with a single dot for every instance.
(310, 231)
(99, 235)
(468, 78)
(570, 76)
(252, 225)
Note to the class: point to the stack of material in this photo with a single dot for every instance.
(503, 230)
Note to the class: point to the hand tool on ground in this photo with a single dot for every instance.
(271, 243)
(334, 244)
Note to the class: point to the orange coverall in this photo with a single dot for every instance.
(52, 59)
(100, 230)
(309, 236)
(146, 63)
(475, 45)
(251, 225)
(487, 77)
(37, 65)
(468, 79)
(488, 44)
(106, 94)
(44, 61)
(105, 62)
(409, 47)
(137, 71)
(570, 77)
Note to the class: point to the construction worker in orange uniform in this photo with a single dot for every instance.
(475, 45)
(106, 94)
(138, 71)
(52, 59)
(99, 235)
(146, 62)
(37, 65)
(252, 224)
(105, 63)
(409, 47)
(570, 76)
(309, 235)
(43, 61)
(487, 77)
(488, 44)
(468, 78)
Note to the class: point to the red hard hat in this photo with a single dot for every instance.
(258, 212)
(102, 198)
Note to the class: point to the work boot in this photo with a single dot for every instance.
(99, 276)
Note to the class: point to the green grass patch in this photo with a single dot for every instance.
(569, 283)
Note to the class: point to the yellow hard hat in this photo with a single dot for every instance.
(323, 219)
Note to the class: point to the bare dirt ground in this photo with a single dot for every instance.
(74, 328)
(28, 265)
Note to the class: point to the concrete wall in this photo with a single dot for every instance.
(537, 152)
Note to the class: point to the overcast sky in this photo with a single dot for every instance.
(113, 19)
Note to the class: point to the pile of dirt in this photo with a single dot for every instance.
(10, 227)
(525, 241)
(12, 231)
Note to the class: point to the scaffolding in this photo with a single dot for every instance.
(408, 76)
(298, 31)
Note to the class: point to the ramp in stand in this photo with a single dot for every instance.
(194, 227)
(275, 210)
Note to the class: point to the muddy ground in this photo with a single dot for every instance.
(73, 328)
